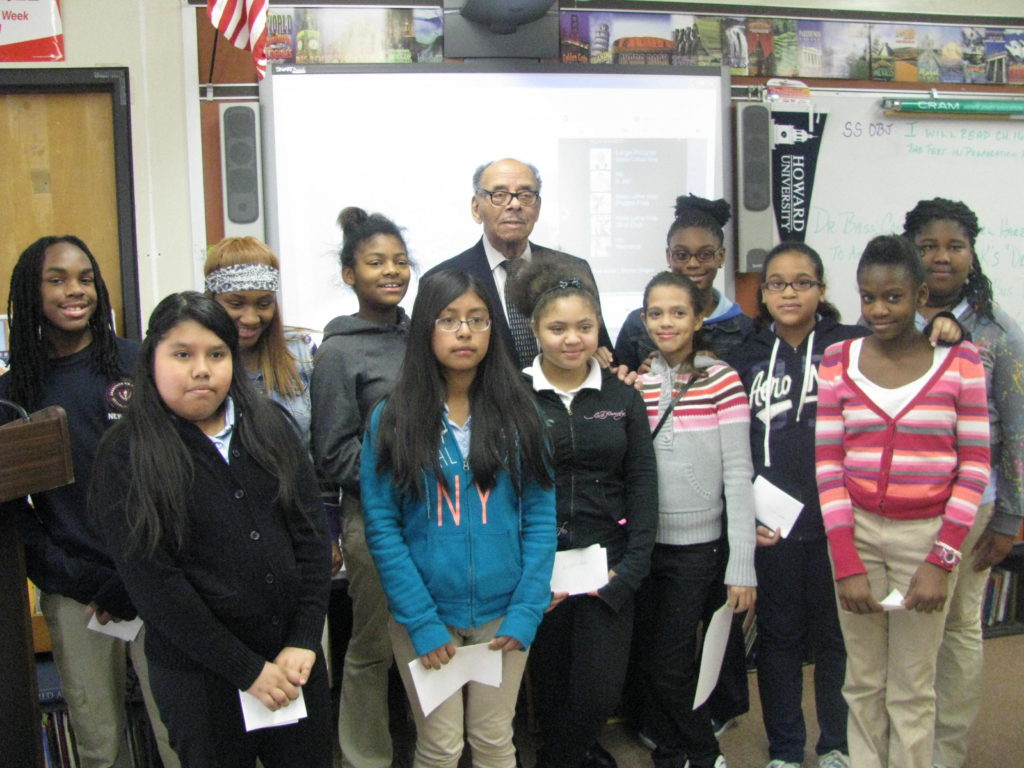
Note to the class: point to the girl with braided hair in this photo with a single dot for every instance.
(945, 232)
(64, 352)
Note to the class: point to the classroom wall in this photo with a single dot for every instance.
(147, 38)
(952, 7)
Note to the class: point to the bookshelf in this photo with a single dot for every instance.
(1002, 608)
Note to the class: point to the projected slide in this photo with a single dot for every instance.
(614, 149)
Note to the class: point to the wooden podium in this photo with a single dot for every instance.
(35, 455)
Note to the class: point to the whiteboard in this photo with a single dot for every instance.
(614, 149)
(872, 169)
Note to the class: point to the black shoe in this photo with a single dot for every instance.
(598, 757)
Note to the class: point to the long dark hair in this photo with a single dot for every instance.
(978, 288)
(825, 309)
(29, 348)
(160, 465)
(507, 431)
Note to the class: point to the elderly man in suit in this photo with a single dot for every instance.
(506, 201)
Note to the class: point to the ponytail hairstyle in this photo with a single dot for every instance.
(507, 431)
(29, 345)
(544, 281)
(273, 358)
(358, 226)
(893, 251)
(160, 466)
(825, 308)
(693, 211)
(978, 288)
(676, 280)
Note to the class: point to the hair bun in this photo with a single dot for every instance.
(719, 209)
(352, 217)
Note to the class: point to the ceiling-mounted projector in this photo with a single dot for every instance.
(503, 17)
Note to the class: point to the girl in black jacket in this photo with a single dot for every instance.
(208, 504)
(606, 493)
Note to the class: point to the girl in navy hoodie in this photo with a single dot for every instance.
(796, 602)
(460, 515)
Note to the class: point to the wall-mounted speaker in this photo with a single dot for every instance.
(241, 169)
(755, 220)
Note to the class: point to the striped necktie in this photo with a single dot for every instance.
(522, 334)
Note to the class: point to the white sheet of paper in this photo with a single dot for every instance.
(470, 662)
(122, 630)
(256, 714)
(716, 635)
(773, 507)
(893, 601)
(578, 571)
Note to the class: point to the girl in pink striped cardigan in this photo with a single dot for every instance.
(902, 459)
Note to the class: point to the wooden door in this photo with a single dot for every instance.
(57, 156)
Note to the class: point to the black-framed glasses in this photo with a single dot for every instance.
(704, 255)
(502, 197)
(452, 324)
(801, 285)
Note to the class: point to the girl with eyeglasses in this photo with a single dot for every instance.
(694, 249)
(607, 494)
(796, 603)
(460, 515)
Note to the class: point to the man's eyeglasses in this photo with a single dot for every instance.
(452, 324)
(503, 197)
(704, 255)
(801, 285)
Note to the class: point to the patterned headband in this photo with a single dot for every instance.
(243, 277)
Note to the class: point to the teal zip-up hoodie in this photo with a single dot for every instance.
(459, 556)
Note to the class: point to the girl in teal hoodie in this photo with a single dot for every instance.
(460, 515)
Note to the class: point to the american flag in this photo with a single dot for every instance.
(244, 23)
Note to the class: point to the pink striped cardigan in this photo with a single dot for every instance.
(932, 459)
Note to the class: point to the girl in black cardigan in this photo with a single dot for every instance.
(209, 505)
(606, 493)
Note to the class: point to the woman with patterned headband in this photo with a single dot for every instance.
(242, 275)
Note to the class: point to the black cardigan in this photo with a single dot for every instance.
(605, 472)
(250, 579)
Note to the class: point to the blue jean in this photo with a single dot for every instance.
(796, 612)
(685, 584)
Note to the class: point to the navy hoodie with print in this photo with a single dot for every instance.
(783, 379)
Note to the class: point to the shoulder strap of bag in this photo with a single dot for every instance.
(699, 374)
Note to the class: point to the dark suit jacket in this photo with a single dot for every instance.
(474, 261)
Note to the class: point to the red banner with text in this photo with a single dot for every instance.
(31, 30)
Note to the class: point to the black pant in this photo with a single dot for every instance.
(796, 612)
(577, 668)
(685, 585)
(204, 721)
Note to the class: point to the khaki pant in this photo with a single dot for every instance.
(958, 685)
(478, 713)
(92, 668)
(890, 669)
(363, 714)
